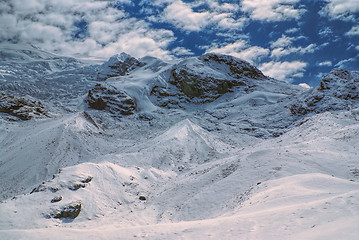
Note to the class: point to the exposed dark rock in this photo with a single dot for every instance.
(118, 65)
(24, 108)
(87, 180)
(111, 99)
(194, 85)
(54, 189)
(237, 67)
(142, 198)
(223, 74)
(77, 186)
(70, 211)
(56, 199)
(338, 90)
(39, 188)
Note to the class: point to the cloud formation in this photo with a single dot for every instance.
(240, 49)
(272, 10)
(285, 71)
(52, 25)
(182, 16)
(325, 64)
(341, 9)
(283, 47)
(354, 31)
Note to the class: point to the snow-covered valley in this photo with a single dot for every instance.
(198, 148)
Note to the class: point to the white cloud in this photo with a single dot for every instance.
(280, 52)
(292, 30)
(325, 64)
(326, 32)
(283, 47)
(229, 23)
(344, 64)
(304, 85)
(341, 9)
(181, 51)
(282, 42)
(51, 26)
(182, 16)
(241, 49)
(354, 31)
(286, 71)
(224, 7)
(272, 10)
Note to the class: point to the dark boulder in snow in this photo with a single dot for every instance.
(338, 90)
(107, 97)
(69, 211)
(118, 65)
(56, 199)
(24, 108)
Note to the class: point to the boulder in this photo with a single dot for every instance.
(69, 211)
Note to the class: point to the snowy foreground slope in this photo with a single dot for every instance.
(198, 148)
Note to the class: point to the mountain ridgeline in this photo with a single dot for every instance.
(37, 84)
(207, 146)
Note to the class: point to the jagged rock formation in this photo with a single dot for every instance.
(118, 65)
(338, 90)
(107, 97)
(24, 108)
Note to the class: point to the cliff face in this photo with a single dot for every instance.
(338, 90)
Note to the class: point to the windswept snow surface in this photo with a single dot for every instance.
(240, 166)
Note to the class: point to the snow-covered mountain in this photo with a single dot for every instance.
(193, 148)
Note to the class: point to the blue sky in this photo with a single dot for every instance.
(292, 40)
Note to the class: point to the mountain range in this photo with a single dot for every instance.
(192, 148)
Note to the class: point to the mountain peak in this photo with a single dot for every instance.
(118, 65)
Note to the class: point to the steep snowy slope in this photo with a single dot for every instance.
(31, 152)
(196, 148)
(236, 193)
(58, 80)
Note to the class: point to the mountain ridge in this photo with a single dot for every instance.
(168, 149)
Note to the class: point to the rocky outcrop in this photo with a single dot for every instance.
(208, 77)
(118, 65)
(234, 67)
(106, 97)
(338, 90)
(23, 108)
(70, 211)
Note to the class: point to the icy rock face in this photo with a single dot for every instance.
(106, 97)
(235, 67)
(338, 90)
(212, 75)
(118, 65)
(23, 108)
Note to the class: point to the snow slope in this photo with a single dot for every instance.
(225, 159)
